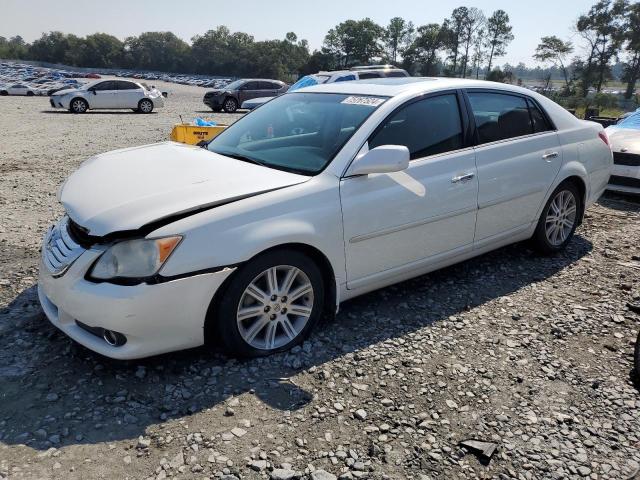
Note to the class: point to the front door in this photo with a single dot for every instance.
(518, 159)
(103, 95)
(398, 220)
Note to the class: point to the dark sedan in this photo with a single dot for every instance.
(231, 97)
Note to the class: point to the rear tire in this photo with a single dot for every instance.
(230, 105)
(145, 106)
(559, 219)
(4, 93)
(78, 105)
(270, 304)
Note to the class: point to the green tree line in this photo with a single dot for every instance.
(466, 44)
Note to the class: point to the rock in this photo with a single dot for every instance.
(360, 414)
(177, 461)
(238, 432)
(143, 443)
(284, 474)
(258, 465)
(322, 475)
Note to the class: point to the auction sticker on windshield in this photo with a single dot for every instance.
(369, 101)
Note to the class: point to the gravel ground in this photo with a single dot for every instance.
(530, 353)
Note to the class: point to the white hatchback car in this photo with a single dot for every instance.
(108, 94)
(318, 196)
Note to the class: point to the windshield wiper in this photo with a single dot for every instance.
(243, 158)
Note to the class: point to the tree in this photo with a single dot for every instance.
(603, 30)
(101, 51)
(430, 39)
(479, 54)
(397, 36)
(632, 37)
(473, 24)
(456, 26)
(161, 51)
(553, 49)
(355, 41)
(498, 35)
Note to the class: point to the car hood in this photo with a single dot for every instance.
(624, 138)
(127, 189)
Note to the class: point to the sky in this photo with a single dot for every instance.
(309, 19)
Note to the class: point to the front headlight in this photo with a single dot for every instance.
(138, 258)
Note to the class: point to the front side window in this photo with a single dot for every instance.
(250, 86)
(297, 132)
(500, 116)
(426, 127)
(104, 86)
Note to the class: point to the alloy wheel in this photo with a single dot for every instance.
(79, 106)
(275, 307)
(561, 217)
(146, 106)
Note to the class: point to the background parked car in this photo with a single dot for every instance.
(625, 143)
(233, 95)
(19, 89)
(108, 94)
(356, 73)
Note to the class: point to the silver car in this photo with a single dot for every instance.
(625, 143)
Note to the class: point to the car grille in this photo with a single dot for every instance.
(630, 159)
(59, 250)
(624, 181)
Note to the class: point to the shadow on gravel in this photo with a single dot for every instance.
(621, 202)
(54, 392)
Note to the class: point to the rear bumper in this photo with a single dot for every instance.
(154, 318)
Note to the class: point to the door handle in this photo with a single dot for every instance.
(550, 155)
(463, 178)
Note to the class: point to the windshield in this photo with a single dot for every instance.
(297, 132)
(632, 121)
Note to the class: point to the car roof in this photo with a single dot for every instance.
(391, 87)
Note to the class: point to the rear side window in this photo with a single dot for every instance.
(365, 75)
(500, 116)
(395, 73)
(426, 127)
(268, 86)
(250, 86)
(540, 123)
(121, 85)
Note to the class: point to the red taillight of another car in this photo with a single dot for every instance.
(604, 137)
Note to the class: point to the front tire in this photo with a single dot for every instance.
(29, 94)
(270, 305)
(559, 220)
(230, 105)
(145, 106)
(79, 105)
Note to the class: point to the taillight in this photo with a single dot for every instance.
(604, 137)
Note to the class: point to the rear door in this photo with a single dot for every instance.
(518, 158)
(268, 89)
(127, 94)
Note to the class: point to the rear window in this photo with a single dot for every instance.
(500, 116)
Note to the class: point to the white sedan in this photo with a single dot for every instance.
(320, 195)
(108, 94)
(19, 89)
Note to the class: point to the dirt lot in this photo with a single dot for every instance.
(530, 353)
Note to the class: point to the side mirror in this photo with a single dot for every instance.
(93, 90)
(382, 159)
